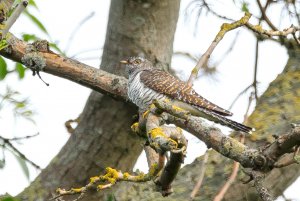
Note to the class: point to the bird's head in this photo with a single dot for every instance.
(136, 63)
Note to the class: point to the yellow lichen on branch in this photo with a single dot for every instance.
(112, 176)
(228, 27)
(135, 127)
(158, 138)
(177, 108)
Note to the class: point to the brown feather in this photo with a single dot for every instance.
(169, 85)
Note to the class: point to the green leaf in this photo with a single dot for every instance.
(20, 105)
(23, 165)
(33, 4)
(245, 7)
(36, 21)
(21, 70)
(3, 68)
(3, 44)
(29, 37)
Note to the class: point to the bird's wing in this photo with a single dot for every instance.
(169, 85)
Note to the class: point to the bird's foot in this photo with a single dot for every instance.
(145, 114)
(139, 131)
(135, 127)
(160, 141)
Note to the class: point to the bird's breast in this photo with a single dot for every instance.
(140, 94)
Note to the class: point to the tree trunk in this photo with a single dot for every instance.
(103, 138)
(276, 109)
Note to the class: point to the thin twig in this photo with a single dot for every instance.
(297, 14)
(238, 96)
(254, 84)
(75, 55)
(224, 29)
(76, 30)
(186, 54)
(258, 29)
(23, 138)
(207, 6)
(264, 15)
(228, 183)
(9, 145)
(201, 175)
(296, 39)
(14, 16)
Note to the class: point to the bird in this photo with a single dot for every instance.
(146, 84)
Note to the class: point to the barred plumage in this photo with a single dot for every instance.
(140, 94)
(171, 86)
(146, 84)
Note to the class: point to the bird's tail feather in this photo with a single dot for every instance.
(213, 116)
(217, 118)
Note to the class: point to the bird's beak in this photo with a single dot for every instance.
(124, 61)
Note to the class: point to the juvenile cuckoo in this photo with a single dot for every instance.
(147, 84)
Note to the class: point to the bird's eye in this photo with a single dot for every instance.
(137, 61)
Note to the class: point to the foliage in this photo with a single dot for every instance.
(8, 198)
(21, 109)
(20, 106)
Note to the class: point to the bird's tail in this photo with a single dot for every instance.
(213, 116)
(219, 119)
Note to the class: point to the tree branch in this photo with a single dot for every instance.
(248, 157)
(201, 175)
(264, 193)
(163, 139)
(258, 29)
(7, 143)
(254, 84)
(52, 63)
(13, 18)
(264, 15)
(111, 177)
(224, 29)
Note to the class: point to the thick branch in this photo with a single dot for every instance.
(70, 69)
(229, 147)
(162, 139)
(284, 144)
(260, 188)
